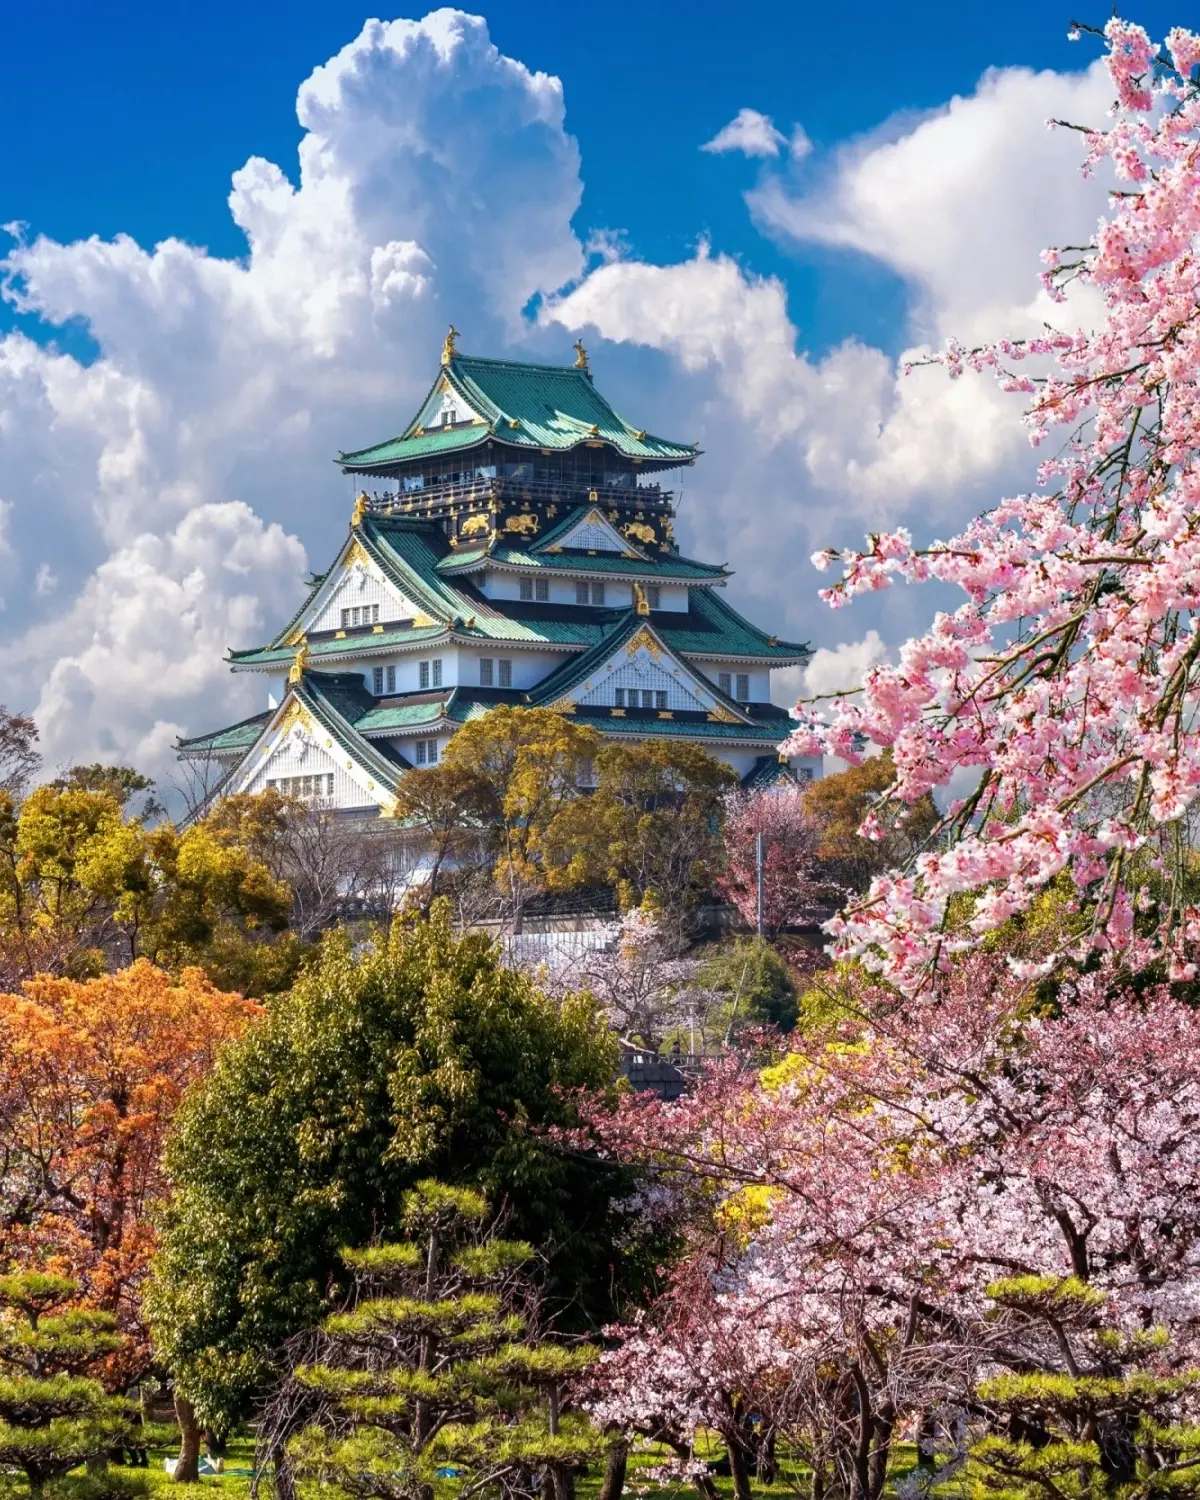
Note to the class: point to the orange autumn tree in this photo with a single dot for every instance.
(91, 1074)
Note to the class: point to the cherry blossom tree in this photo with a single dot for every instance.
(1065, 684)
(644, 989)
(791, 891)
(935, 1193)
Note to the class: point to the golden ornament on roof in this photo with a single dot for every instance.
(640, 600)
(581, 358)
(448, 348)
(522, 525)
(299, 665)
(360, 509)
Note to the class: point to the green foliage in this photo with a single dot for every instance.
(85, 887)
(757, 982)
(652, 827)
(52, 1415)
(839, 803)
(419, 1053)
(1097, 1419)
(427, 1373)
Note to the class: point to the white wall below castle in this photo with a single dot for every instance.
(760, 678)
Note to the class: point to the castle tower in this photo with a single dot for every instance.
(514, 544)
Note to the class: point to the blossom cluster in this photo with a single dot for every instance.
(862, 1197)
(1063, 689)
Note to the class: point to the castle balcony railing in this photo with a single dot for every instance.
(438, 497)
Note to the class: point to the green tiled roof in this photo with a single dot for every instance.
(767, 771)
(709, 628)
(525, 406)
(698, 727)
(713, 628)
(236, 739)
(571, 561)
(416, 557)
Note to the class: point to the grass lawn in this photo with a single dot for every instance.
(793, 1477)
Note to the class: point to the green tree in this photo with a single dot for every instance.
(54, 1412)
(418, 1054)
(757, 983)
(436, 1365)
(1093, 1412)
(84, 887)
(523, 766)
(651, 828)
(122, 782)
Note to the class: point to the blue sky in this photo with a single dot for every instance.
(185, 361)
(141, 111)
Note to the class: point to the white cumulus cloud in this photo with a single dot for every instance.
(175, 487)
(751, 133)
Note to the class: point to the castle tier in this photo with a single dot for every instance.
(518, 548)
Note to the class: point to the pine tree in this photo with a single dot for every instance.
(436, 1373)
(1096, 1412)
(54, 1413)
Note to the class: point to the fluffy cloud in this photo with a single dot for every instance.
(751, 133)
(162, 486)
(808, 451)
(154, 500)
(962, 203)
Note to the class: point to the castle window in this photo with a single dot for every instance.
(619, 696)
(364, 614)
(413, 482)
(391, 679)
(423, 674)
(541, 589)
(427, 752)
(587, 773)
(526, 588)
(505, 672)
(377, 682)
(597, 593)
(725, 683)
(486, 666)
(660, 700)
(581, 593)
(305, 787)
(654, 596)
(743, 687)
(437, 671)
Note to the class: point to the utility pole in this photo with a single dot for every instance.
(758, 884)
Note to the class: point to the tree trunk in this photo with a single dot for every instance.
(285, 1480)
(615, 1464)
(739, 1469)
(187, 1468)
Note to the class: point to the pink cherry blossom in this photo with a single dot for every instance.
(1066, 685)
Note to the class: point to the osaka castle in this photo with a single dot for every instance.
(514, 544)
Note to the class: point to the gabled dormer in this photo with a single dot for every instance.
(447, 406)
(355, 594)
(591, 531)
(634, 670)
